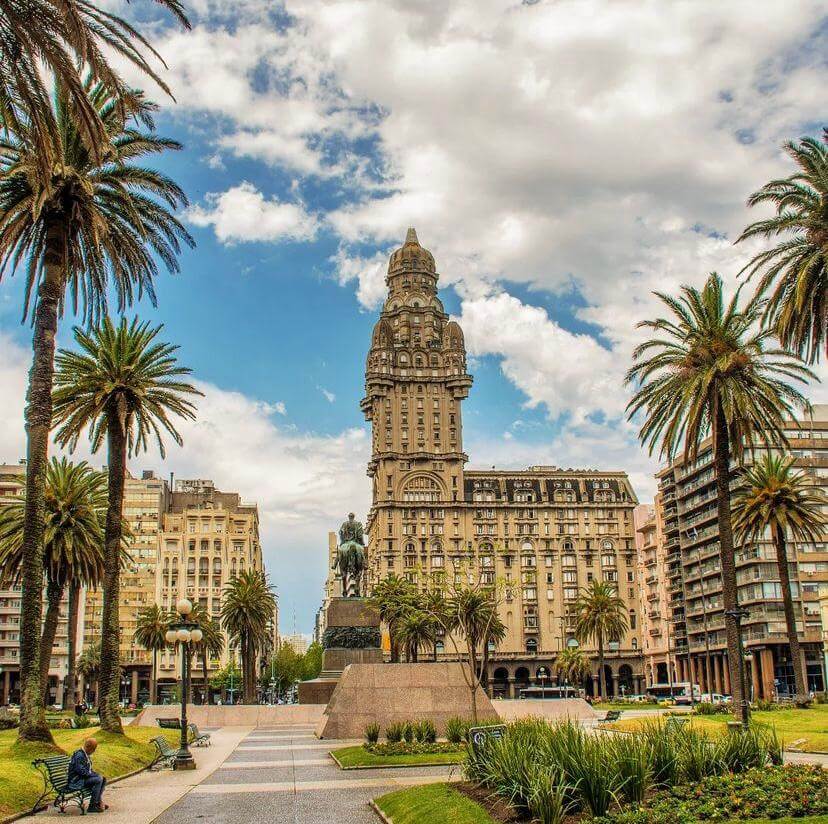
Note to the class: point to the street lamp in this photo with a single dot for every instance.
(184, 632)
(543, 675)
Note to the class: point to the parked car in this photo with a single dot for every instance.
(716, 698)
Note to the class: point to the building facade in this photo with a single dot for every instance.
(543, 531)
(145, 501)
(207, 537)
(687, 507)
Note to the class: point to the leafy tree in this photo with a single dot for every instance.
(796, 267)
(393, 597)
(572, 664)
(96, 221)
(122, 386)
(312, 662)
(600, 615)
(228, 678)
(76, 499)
(247, 615)
(150, 631)
(416, 628)
(286, 667)
(709, 372)
(63, 35)
(774, 498)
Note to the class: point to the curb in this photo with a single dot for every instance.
(380, 813)
(388, 766)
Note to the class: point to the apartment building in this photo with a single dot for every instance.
(687, 507)
(207, 537)
(332, 589)
(543, 531)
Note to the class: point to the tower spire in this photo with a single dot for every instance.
(411, 237)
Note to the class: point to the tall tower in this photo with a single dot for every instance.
(415, 383)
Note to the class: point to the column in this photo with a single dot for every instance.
(6, 686)
(615, 688)
(768, 686)
(595, 687)
(717, 674)
(638, 685)
(754, 676)
(133, 696)
(511, 686)
(726, 674)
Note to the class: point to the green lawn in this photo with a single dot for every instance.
(432, 804)
(21, 784)
(790, 724)
(358, 756)
(625, 705)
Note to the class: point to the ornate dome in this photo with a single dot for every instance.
(411, 257)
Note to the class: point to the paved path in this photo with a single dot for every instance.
(285, 775)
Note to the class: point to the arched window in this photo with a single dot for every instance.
(567, 545)
(607, 545)
(527, 546)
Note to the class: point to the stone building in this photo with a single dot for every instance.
(332, 589)
(207, 537)
(543, 531)
(687, 506)
(145, 501)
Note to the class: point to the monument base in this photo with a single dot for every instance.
(385, 693)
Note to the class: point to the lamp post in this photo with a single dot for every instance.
(543, 674)
(184, 632)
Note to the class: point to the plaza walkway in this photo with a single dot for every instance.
(284, 774)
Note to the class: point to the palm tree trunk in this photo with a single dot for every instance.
(730, 595)
(54, 593)
(602, 675)
(800, 676)
(69, 684)
(38, 423)
(204, 671)
(110, 630)
(473, 678)
(154, 677)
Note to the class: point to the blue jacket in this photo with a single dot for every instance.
(80, 768)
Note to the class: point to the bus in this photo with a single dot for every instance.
(553, 691)
(679, 691)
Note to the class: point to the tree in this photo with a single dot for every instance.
(600, 615)
(495, 635)
(228, 679)
(312, 662)
(774, 498)
(89, 665)
(572, 664)
(150, 631)
(75, 508)
(796, 268)
(93, 224)
(416, 628)
(247, 614)
(286, 667)
(710, 372)
(63, 35)
(123, 386)
(392, 597)
(211, 644)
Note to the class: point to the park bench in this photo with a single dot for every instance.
(169, 723)
(612, 715)
(166, 754)
(55, 772)
(198, 739)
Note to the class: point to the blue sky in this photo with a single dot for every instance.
(561, 160)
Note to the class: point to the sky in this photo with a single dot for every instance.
(560, 159)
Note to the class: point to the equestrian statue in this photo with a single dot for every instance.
(350, 556)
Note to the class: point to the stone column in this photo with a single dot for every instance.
(754, 676)
(717, 674)
(726, 674)
(595, 687)
(615, 687)
(511, 686)
(134, 687)
(638, 684)
(4, 690)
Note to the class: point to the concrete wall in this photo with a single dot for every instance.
(553, 709)
(236, 716)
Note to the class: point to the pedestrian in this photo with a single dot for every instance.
(81, 776)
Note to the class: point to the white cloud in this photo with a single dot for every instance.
(242, 213)
(368, 272)
(329, 396)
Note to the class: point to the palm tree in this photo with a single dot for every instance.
(774, 498)
(495, 635)
(211, 644)
(75, 498)
(572, 664)
(416, 629)
(434, 603)
(123, 386)
(600, 615)
(150, 631)
(393, 597)
(709, 372)
(92, 225)
(62, 35)
(89, 665)
(796, 268)
(246, 614)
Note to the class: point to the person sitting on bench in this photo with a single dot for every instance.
(83, 777)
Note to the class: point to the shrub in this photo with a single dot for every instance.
(425, 732)
(763, 705)
(549, 803)
(635, 772)
(402, 748)
(697, 756)
(394, 732)
(82, 722)
(595, 775)
(706, 708)
(456, 730)
(372, 733)
(408, 730)
(662, 745)
(745, 749)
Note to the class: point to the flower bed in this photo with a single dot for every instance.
(412, 748)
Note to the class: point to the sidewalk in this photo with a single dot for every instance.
(143, 797)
